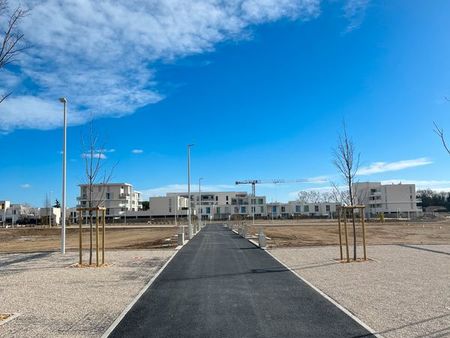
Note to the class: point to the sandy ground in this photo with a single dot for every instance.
(315, 233)
(44, 239)
(56, 300)
(404, 291)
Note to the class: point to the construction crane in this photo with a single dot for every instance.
(274, 181)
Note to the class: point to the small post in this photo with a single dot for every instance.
(96, 236)
(363, 231)
(340, 233)
(80, 248)
(346, 235)
(103, 235)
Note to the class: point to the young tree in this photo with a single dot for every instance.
(12, 39)
(57, 204)
(96, 173)
(347, 162)
(440, 133)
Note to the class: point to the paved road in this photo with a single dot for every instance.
(220, 285)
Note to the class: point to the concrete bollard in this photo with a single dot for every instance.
(262, 240)
(244, 231)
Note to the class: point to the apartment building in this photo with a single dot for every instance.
(296, 209)
(117, 198)
(388, 199)
(11, 213)
(225, 205)
(167, 206)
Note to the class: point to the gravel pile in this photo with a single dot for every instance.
(57, 300)
(403, 292)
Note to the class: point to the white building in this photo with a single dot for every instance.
(225, 205)
(117, 198)
(50, 216)
(388, 199)
(167, 206)
(11, 213)
(297, 209)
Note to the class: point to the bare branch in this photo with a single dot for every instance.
(440, 132)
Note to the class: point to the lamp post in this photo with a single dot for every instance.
(200, 203)
(190, 232)
(63, 100)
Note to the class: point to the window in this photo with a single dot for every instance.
(243, 210)
(253, 209)
(274, 209)
(217, 198)
(108, 196)
(218, 210)
(316, 208)
(226, 198)
(262, 209)
(208, 210)
(283, 209)
(298, 208)
(327, 208)
(306, 208)
(236, 210)
(260, 201)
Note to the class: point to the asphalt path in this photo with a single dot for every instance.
(220, 285)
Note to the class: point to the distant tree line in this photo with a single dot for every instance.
(433, 198)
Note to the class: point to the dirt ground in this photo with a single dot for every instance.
(44, 239)
(317, 233)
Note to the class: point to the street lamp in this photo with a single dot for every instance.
(190, 232)
(63, 100)
(200, 203)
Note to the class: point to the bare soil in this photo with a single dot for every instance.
(45, 239)
(317, 233)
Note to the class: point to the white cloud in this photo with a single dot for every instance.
(436, 185)
(25, 186)
(94, 155)
(354, 12)
(381, 167)
(101, 54)
(137, 151)
(161, 191)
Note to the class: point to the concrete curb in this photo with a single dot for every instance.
(145, 288)
(323, 294)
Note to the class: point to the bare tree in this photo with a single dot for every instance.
(347, 162)
(12, 39)
(96, 173)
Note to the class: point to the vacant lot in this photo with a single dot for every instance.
(41, 239)
(312, 233)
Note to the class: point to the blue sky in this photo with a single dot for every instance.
(260, 87)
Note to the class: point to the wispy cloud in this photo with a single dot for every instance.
(25, 186)
(436, 185)
(381, 167)
(94, 155)
(354, 12)
(161, 191)
(86, 50)
(137, 151)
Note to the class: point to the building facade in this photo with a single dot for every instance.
(393, 200)
(294, 209)
(117, 198)
(225, 205)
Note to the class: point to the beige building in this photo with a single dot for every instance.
(388, 199)
(117, 198)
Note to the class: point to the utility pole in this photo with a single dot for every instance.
(63, 100)
(200, 203)
(190, 232)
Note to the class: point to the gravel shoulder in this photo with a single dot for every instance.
(403, 292)
(57, 300)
